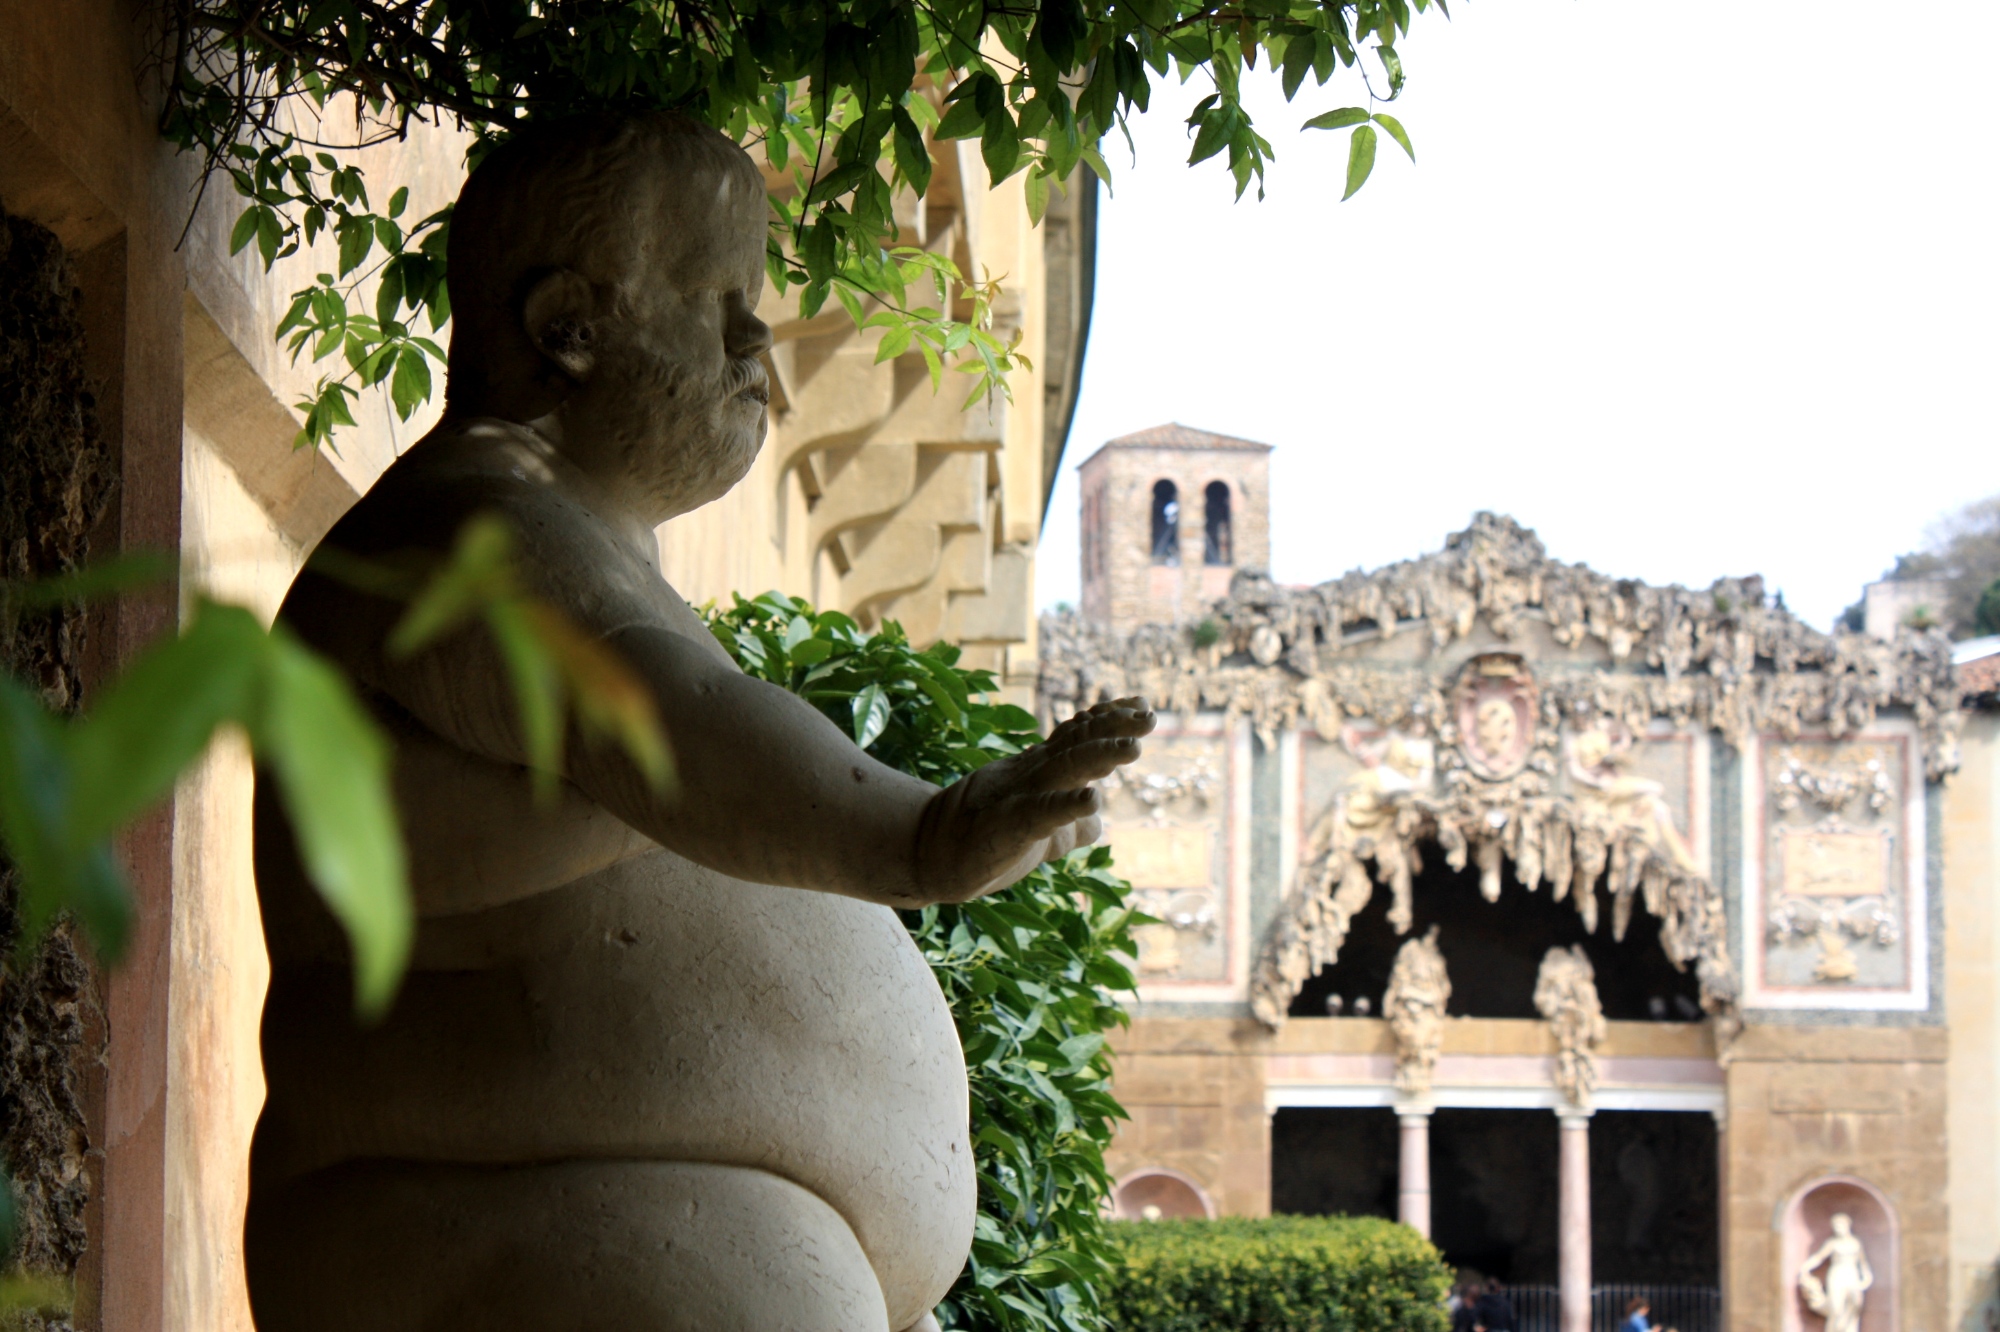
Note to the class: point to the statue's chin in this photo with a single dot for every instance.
(693, 471)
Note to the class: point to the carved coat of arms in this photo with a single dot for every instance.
(1494, 705)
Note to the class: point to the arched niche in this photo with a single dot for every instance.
(1805, 1223)
(1175, 1196)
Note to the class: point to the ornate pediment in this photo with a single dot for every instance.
(1727, 657)
(1492, 696)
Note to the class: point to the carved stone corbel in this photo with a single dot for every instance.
(1566, 995)
(1414, 1006)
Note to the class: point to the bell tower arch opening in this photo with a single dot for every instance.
(1218, 541)
(1166, 523)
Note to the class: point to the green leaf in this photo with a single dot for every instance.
(1392, 65)
(1396, 132)
(1360, 159)
(332, 768)
(1298, 63)
(399, 201)
(157, 718)
(245, 230)
(1341, 119)
(98, 579)
(356, 239)
(36, 803)
(962, 120)
(1000, 145)
(1037, 191)
(477, 567)
(871, 715)
(411, 387)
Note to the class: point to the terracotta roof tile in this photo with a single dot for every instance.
(1981, 676)
(1177, 436)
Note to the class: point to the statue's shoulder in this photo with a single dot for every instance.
(462, 468)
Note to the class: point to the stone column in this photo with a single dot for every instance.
(1413, 1179)
(1722, 1206)
(1573, 1243)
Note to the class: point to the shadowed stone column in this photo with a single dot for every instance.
(1573, 1244)
(1722, 1207)
(1413, 1179)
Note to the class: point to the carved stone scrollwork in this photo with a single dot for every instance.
(1836, 882)
(1414, 1006)
(1566, 995)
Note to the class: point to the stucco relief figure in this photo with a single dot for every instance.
(1598, 758)
(658, 1064)
(1414, 1006)
(1377, 801)
(1566, 995)
(1839, 1295)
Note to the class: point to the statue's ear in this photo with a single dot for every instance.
(557, 319)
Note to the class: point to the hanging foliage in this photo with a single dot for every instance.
(843, 98)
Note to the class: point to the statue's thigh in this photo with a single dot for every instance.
(619, 1246)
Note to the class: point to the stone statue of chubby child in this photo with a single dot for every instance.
(636, 1078)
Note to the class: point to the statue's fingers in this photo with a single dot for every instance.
(1110, 707)
(1040, 815)
(1073, 765)
(1132, 722)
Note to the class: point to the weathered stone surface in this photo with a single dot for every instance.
(620, 994)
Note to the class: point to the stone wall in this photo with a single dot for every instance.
(55, 487)
(1971, 890)
(1810, 1103)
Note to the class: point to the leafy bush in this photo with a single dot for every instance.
(1028, 972)
(1276, 1274)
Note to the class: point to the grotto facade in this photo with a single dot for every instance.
(1617, 936)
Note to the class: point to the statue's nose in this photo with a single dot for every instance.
(745, 335)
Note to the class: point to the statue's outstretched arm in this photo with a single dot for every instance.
(772, 791)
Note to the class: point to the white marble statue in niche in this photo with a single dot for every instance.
(1839, 1295)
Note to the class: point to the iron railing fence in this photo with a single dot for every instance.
(1682, 1308)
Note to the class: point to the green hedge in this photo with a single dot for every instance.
(1278, 1274)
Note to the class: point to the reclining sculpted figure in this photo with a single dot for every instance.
(636, 1077)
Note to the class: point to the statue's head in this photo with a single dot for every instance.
(1591, 749)
(605, 270)
(1843, 1226)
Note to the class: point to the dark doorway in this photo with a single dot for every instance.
(1653, 1198)
(1495, 949)
(1493, 1188)
(1334, 1162)
(1493, 1192)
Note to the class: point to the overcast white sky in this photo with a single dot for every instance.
(1693, 291)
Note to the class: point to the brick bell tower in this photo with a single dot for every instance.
(1169, 515)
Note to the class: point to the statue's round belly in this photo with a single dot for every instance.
(654, 1010)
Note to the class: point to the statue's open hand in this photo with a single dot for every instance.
(987, 830)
